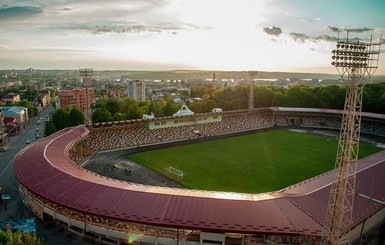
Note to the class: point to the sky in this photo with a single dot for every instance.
(265, 35)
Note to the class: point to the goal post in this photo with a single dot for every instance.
(180, 174)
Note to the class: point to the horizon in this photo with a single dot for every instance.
(234, 35)
(265, 74)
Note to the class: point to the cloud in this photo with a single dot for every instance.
(113, 10)
(274, 31)
(326, 38)
(39, 51)
(18, 11)
(310, 19)
(360, 30)
(306, 20)
(64, 9)
(127, 27)
(60, 50)
(98, 17)
(335, 29)
(344, 29)
(299, 37)
(117, 28)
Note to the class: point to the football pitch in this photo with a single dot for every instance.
(253, 163)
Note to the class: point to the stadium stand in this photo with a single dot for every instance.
(57, 189)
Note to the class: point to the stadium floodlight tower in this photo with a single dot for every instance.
(86, 75)
(252, 75)
(355, 61)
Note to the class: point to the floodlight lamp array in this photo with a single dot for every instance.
(351, 55)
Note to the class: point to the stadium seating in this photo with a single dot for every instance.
(109, 136)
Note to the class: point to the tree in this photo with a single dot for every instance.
(65, 117)
(203, 106)
(331, 97)
(31, 108)
(232, 98)
(113, 106)
(101, 115)
(61, 119)
(18, 238)
(199, 91)
(206, 97)
(49, 128)
(133, 112)
(208, 105)
(170, 109)
(101, 102)
(76, 117)
(293, 97)
(52, 93)
(151, 108)
(279, 96)
(158, 108)
(28, 94)
(144, 105)
(119, 117)
(373, 98)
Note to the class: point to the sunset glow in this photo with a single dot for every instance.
(270, 35)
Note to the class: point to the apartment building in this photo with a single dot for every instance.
(136, 90)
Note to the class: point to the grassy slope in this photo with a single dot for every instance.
(252, 163)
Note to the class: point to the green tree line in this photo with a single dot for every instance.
(115, 109)
(237, 97)
(18, 238)
(63, 118)
(328, 97)
(227, 98)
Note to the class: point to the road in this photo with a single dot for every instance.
(14, 207)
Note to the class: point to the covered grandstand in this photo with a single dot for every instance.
(57, 189)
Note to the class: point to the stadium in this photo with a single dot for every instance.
(56, 187)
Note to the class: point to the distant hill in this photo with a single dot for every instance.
(174, 75)
(203, 74)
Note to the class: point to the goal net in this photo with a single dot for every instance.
(180, 174)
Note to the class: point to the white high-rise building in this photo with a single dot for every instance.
(136, 90)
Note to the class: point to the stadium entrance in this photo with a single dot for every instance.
(294, 121)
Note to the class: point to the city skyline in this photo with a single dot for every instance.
(267, 35)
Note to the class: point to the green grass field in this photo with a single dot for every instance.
(254, 163)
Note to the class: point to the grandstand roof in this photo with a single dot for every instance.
(328, 111)
(45, 168)
(306, 110)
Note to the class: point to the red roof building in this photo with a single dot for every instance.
(76, 97)
(11, 98)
